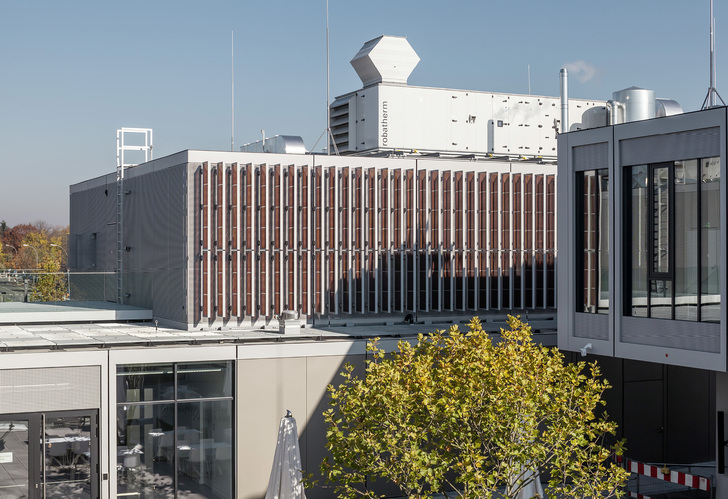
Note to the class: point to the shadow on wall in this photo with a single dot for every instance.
(295, 381)
(267, 387)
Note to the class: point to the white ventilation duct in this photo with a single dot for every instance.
(386, 59)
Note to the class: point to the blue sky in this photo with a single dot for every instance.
(74, 71)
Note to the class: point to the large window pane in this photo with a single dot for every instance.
(660, 299)
(638, 241)
(207, 380)
(710, 240)
(594, 231)
(660, 219)
(204, 446)
(169, 447)
(14, 459)
(674, 220)
(145, 450)
(686, 237)
(145, 383)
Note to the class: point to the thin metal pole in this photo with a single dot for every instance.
(711, 100)
(329, 135)
(232, 92)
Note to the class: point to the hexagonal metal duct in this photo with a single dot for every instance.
(385, 59)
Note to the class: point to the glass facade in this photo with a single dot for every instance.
(592, 252)
(672, 240)
(175, 430)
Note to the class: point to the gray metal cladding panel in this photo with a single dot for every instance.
(107, 248)
(691, 144)
(90, 212)
(154, 205)
(177, 234)
(132, 219)
(50, 389)
(591, 157)
(591, 326)
(695, 336)
(155, 233)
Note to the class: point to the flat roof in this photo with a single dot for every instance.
(12, 313)
(38, 330)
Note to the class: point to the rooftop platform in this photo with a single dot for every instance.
(13, 313)
(78, 325)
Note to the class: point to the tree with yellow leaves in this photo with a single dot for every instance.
(465, 412)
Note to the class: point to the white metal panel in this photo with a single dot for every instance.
(460, 121)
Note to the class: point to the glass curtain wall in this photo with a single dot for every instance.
(175, 430)
(593, 241)
(672, 229)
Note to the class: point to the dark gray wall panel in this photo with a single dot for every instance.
(697, 336)
(670, 147)
(591, 157)
(591, 326)
(154, 233)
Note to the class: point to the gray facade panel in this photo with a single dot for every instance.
(154, 241)
(91, 236)
(155, 234)
(690, 144)
(591, 157)
(591, 326)
(50, 389)
(696, 336)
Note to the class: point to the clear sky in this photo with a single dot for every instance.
(74, 71)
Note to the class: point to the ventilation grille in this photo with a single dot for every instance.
(339, 114)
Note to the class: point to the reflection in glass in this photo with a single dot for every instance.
(661, 299)
(145, 382)
(595, 241)
(710, 240)
(145, 450)
(169, 447)
(67, 456)
(213, 379)
(681, 228)
(660, 220)
(639, 242)
(14, 458)
(686, 240)
(204, 444)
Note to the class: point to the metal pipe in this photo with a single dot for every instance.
(711, 92)
(564, 78)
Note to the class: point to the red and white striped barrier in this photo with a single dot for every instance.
(639, 496)
(693, 481)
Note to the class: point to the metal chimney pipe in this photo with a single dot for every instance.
(564, 77)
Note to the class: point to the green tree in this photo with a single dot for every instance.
(462, 411)
(51, 284)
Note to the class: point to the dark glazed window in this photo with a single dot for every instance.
(175, 430)
(672, 232)
(592, 241)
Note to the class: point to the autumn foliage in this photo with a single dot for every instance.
(468, 413)
(38, 250)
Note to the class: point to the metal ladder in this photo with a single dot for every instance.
(121, 164)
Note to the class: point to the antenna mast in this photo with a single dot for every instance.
(232, 92)
(712, 92)
(327, 132)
